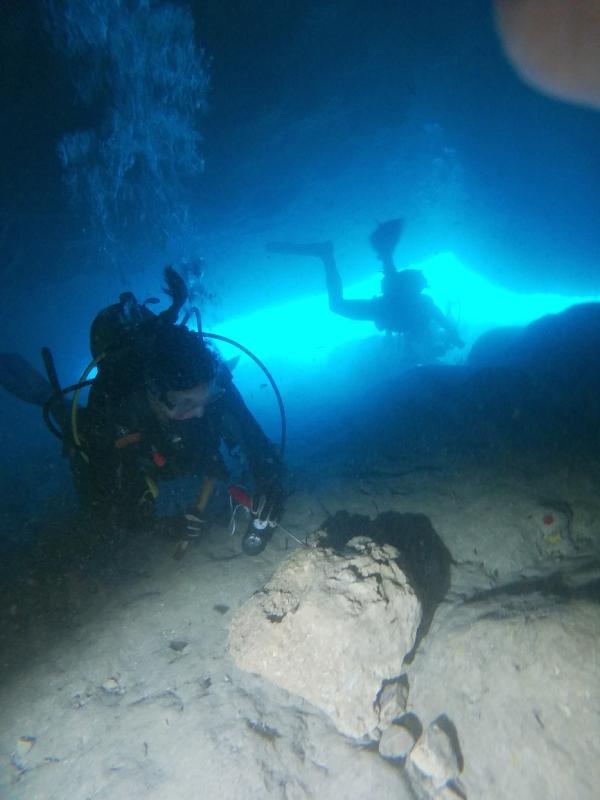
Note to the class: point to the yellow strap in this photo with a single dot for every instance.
(152, 490)
(204, 494)
(129, 438)
(75, 403)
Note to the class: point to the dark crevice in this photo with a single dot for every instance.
(557, 585)
(423, 556)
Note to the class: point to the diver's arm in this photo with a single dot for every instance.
(239, 427)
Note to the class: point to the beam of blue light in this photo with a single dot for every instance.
(303, 331)
(317, 357)
(481, 304)
(300, 331)
(322, 361)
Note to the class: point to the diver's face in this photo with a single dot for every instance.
(186, 403)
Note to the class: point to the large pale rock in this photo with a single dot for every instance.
(332, 628)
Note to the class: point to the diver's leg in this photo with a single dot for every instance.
(322, 251)
(357, 310)
(351, 309)
(333, 280)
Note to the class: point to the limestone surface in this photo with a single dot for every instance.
(332, 628)
(518, 678)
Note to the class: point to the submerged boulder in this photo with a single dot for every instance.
(333, 628)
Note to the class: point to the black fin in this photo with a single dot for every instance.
(177, 290)
(22, 380)
(385, 237)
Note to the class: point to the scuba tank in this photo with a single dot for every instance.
(113, 325)
(116, 325)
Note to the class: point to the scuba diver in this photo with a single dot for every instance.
(160, 407)
(402, 308)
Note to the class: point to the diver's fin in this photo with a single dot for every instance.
(232, 363)
(177, 290)
(317, 249)
(385, 238)
(22, 380)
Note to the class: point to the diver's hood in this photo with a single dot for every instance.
(175, 358)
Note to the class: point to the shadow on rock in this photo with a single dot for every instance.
(424, 557)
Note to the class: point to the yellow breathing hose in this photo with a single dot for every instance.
(75, 404)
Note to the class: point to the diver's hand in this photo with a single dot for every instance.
(180, 526)
(194, 524)
(267, 505)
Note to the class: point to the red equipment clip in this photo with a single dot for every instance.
(240, 496)
(158, 458)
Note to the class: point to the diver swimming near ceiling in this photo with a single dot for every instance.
(400, 309)
(162, 404)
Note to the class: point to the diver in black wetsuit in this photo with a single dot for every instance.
(402, 308)
(160, 410)
(160, 407)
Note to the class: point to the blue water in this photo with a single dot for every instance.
(203, 130)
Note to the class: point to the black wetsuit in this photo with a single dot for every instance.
(406, 311)
(131, 450)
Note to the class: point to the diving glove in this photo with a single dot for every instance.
(194, 524)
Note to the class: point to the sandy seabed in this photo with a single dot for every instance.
(117, 682)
